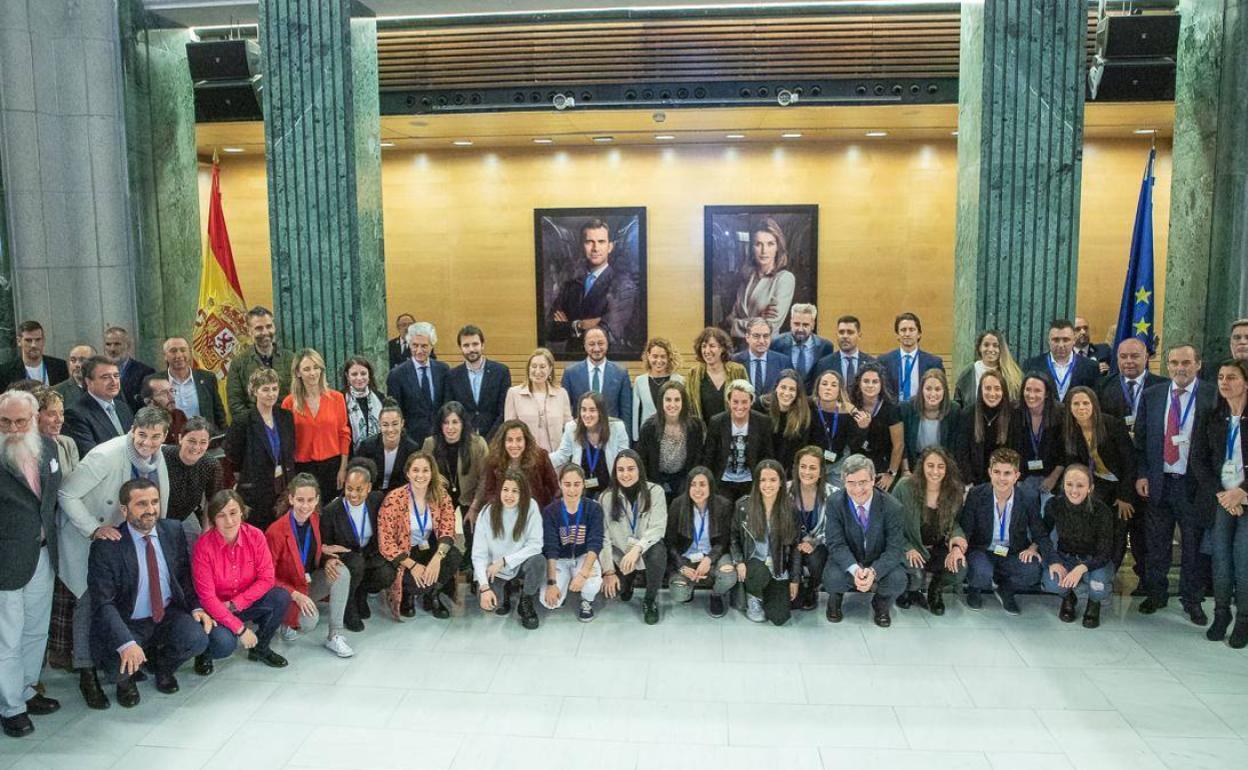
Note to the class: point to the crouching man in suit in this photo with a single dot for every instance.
(144, 606)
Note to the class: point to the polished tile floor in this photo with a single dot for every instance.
(968, 690)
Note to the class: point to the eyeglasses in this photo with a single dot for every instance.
(7, 424)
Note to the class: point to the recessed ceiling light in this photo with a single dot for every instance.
(543, 140)
(664, 137)
(877, 133)
(953, 133)
(462, 143)
(734, 136)
(1145, 131)
(232, 149)
(387, 144)
(604, 139)
(791, 135)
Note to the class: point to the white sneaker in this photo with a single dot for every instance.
(754, 610)
(288, 634)
(338, 646)
(587, 612)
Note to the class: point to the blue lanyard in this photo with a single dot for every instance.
(1133, 404)
(571, 525)
(876, 409)
(831, 434)
(359, 536)
(592, 453)
(305, 549)
(698, 531)
(422, 521)
(1191, 401)
(632, 524)
(1036, 438)
(906, 371)
(1003, 516)
(1062, 382)
(275, 441)
(1232, 436)
(807, 516)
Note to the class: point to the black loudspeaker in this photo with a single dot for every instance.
(230, 100)
(228, 81)
(1149, 36)
(1150, 80)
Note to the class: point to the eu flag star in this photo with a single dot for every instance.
(1141, 327)
(1142, 295)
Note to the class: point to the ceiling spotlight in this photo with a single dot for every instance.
(232, 150)
(543, 140)
(791, 135)
(563, 101)
(659, 117)
(387, 144)
(877, 133)
(664, 137)
(1145, 131)
(786, 97)
(462, 143)
(954, 132)
(734, 136)
(604, 139)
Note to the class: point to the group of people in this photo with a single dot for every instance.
(795, 465)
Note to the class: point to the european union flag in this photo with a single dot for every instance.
(1135, 315)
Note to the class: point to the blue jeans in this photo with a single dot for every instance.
(267, 613)
(1230, 561)
(1095, 585)
(1011, 573)
(168, 644)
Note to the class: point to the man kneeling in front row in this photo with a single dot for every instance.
(144, 606)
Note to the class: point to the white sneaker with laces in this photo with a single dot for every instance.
(288, 634)
(754, 610)
(338, 646)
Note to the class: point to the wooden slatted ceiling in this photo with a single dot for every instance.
(677, 50)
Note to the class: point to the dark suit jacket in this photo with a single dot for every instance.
(15, 370)
(1209, 453)
(910, 419)
(373, 449)
(336, 526)
(719, 441)
(1150, 433)
(891, 361)
(1112, 399)
(23, 514)
(211, 408)
(398, 354)
(403, 385)
(247, 447)
(613, 298)
(776, 363)
(1102, 354)
(132, 377)
(87, 423)
(487, 414)
(977, 513)
(1085, 371)
(833, 362)
(820, 348)
(113, 580)
(1117, 452)
(617, 391)
(885, 540)
(679, 534)
(648, 447)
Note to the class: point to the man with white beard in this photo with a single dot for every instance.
(29, 484)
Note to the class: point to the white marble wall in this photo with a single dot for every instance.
(63, 146)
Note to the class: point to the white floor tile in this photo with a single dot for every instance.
(665, 756)
(1009, 760)
(722, 682)
(643, 721)
(508, 753)
(936, 686)
(439, 712)
(375, 748)
(814, 642)
(837, 758)
(163, 758)
(566, 675)
(953, 729)
(1200, 753)
(840, 726)
(1048, 688)
(1060, 648)
(944, 647)
(1080, 732)
(344, 705)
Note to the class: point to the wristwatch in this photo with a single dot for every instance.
(443, 549)
(550, 582)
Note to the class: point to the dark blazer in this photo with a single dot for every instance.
(617, 391)
(403, 385)
(15, 370)
(1085, 372)
(910, 419)
(336, 526)
(891, 361)
(87, 423)
(719, 441)
(487, 414)
(648, 447)
(1052, 447)
(247, 447)
(23, 514)
(398, 354)
(613, 299)
(1209, 453)
(776, 363)
(973, 455)
(1112, 399)
(1101, 354)
(113, 580)
(1150, 432)
(885, 540)
(374, 450)
(1118, 454)
(211, 408)
(819, 348)
(977, 513)
(833, 362)
(132, 376)
(679, 535)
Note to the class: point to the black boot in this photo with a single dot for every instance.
(92, 693)
(1221, 620)
(904, 600)
(1239, 634)
(361, 604)
(203, 664)
(917, 599)
(935, 599)
(626, 587)
(1067, 611)
(834, 613)
(810, 597)
(504, 603)
(527, 612)
(1092, 614)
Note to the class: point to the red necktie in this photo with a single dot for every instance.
(1171, 449)
(153, 582)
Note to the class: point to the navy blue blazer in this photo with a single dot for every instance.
(891, 361)
(486, 414)
(1150, 432)
(1114, 401)
(132, 376)
(1101, 354)
(87, 423)
(419, 412)
(776, 363)
(1085, 371)
(819, 348)
(833, 362)
(617, 391)
(1208, 455)
(884, 544)
(977, 513)
(113, 580)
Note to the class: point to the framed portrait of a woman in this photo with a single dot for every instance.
(759, 260)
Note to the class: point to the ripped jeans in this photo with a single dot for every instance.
(1095, 585)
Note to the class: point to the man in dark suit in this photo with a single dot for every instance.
(1167, 484)
(101, 413)
(1001, 522)
(419, 383)
(73, 387)
(762, 364)
(1066, 369)
(602, 297)
(118, 345)
(144, 606)
(866, 540)
(904, 367)
(1120, 392)
(849, 358)
(29, 483)
(598, 374)
(349, 530)
(800, 344)
(397, 346)
(479, 383)
(392, 442)
(195, 391)
(1098, 352)
(31, 363)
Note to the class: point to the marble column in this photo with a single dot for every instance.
(8, 321)
(1207, 267)
(321, 142)
(1020, 147)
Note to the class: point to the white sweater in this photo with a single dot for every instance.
(487, 549)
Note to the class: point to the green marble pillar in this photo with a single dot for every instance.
(8, 310)
(324, 177)
(163, 171)
(1020, 146)
(1208, 246)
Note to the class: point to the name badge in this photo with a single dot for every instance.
(697, 558)
(1129, 420)
(423, 546)
(1035, 465)
(277, 471)
(1232, 475)
(1178, 440)
(829, 456)
(591, 483)
(1000, 550)
(308, 576)
(632, 541)
(768, 562)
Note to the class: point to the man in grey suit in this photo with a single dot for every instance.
(29, 484)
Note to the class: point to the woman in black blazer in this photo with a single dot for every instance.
(1219, 450)
(1036, 434)
(985, 427)
(671, 440)
(1101, 442)
(732, 458)
(930, 418)
(393, 439)
(788, 409)
(699, 540)
(260, 445)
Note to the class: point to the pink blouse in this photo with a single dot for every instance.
(239, 573)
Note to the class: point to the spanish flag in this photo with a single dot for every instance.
(221, 323)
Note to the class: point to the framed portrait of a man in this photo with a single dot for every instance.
(591, 274)
(759, 261)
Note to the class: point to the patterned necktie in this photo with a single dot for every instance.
(1131, 386)
(758, 375)
(1171, 449)
(112, 417)
(153, 582)
(863, 518)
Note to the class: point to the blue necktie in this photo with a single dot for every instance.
(589, 282)
(849, 370)
(596, 384)
(905, 374)
(426, 382)
(758, 375)
(801, 360)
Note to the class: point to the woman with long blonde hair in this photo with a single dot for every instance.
(322, 429)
